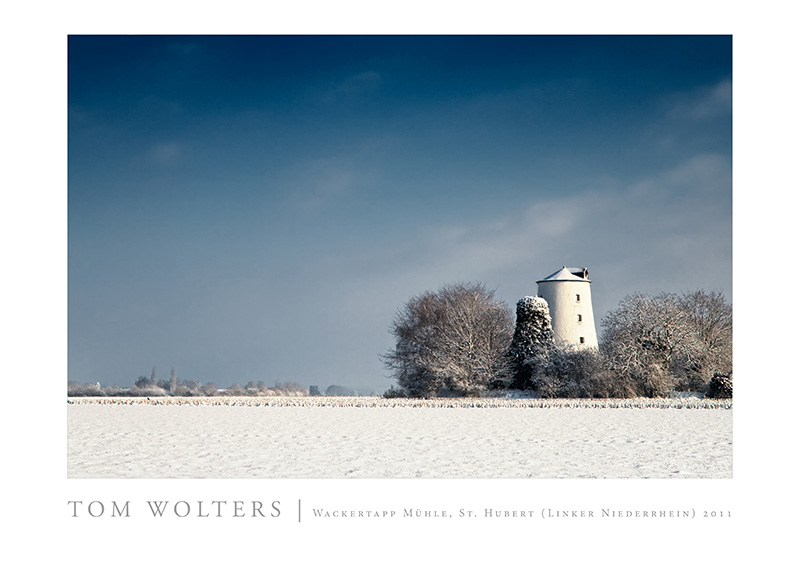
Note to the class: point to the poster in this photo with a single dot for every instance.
(212, 520)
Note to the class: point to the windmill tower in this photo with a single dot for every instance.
(568, 294)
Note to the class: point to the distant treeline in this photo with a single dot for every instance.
(153, 387)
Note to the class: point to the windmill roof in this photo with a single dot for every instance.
(567, 274)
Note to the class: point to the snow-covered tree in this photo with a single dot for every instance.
(572, 373)
(532, 342)
(711, 350)
(656, 344)
(453, 341)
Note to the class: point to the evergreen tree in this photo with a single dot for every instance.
(532, 343)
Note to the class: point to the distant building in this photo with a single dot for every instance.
(568, 294)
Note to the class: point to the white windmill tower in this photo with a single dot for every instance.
(569, 295)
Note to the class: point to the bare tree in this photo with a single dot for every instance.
(209, 389)
(655, 344)
(711, 351)
(453, 341)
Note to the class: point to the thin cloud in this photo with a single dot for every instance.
(321, 182)
(353, 87)
(166, 153)
(710, 102)
(668, 237)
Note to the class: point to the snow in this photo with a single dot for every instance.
(398, 438)
(566, 274)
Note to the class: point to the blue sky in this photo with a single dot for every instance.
(258, 208)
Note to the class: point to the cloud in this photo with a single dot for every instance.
(667, 232)
(353, 87)
(321, 182)
(706, 173)
(709, 102)
(165, 153)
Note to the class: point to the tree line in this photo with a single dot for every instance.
(153, 387)
(461, 341)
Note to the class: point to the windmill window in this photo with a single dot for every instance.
(583, 340)
(577, 298)
(580, 318)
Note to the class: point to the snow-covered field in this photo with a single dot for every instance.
(322, 437)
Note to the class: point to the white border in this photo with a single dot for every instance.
(34, 248)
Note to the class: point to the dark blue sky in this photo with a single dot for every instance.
(257, 208)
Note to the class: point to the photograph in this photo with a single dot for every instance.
(400, 257)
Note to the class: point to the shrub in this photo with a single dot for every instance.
(235, 390)
(721, 386)
(393, 393)
(209, 390)
(339, 391)
(569, 373)
(146, 392)
(75, 389)
(290, 388)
